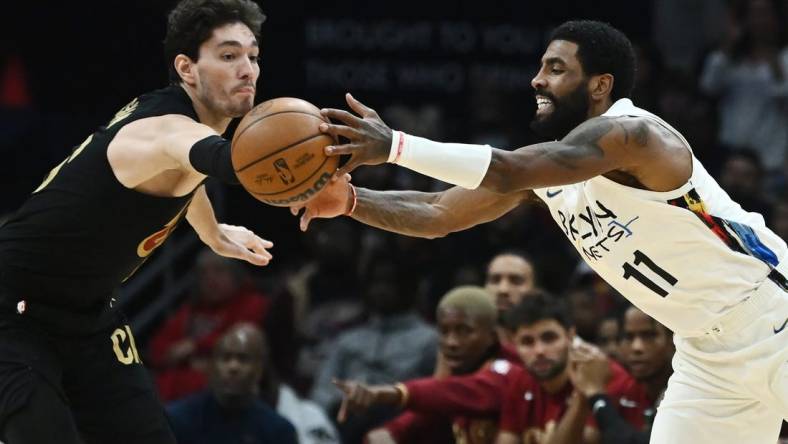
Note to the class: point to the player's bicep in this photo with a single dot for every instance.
(462, 208)
(595, 147)
(178, 137)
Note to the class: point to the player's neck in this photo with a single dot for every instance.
(218, 122)
(556, 383)
(598, 108)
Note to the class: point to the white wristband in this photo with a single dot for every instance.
(455, 163)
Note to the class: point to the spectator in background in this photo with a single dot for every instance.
(180, 350)
(510, 275)
(470, 395)
(585, 310)
(310, 421)
(648, 77)
(608, 337)
(748, 73)
(742, 178)
(547, 408)
(231, 412)
(648, 350)
(394, 344)
(326, 298)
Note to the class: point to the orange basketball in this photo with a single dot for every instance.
(277, 152)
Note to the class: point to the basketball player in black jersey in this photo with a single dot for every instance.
(70, 371)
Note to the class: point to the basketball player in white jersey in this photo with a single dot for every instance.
(628, 193)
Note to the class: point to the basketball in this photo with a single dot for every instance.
(277, 152)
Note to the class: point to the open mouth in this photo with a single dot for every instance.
(543, 104)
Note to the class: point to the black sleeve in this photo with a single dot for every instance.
(613, 429)
(211, 156)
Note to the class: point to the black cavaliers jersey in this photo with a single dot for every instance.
(81, 233)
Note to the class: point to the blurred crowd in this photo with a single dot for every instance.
(498, 334)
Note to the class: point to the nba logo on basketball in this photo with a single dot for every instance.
(284, 171)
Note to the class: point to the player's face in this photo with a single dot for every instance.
(543, 347)
(561, 91)
(227, 70)
(509, 277)
(464, 341)
(236, 370)
(647, 347)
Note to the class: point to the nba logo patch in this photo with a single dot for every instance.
(21, 306)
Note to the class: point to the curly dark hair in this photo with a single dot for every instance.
(538, 305)
(192, 22)
(601, 49)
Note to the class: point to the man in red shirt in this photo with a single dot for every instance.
(466, 319)
(180, 350)
(546, 407)
(647, 348)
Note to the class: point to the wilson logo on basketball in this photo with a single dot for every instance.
(284, 171)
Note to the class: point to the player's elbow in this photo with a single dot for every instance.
(501, 178)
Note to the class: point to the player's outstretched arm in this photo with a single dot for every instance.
(433, 215)
(149, 147)
(225, 240)
(633, 145)
(412, 213)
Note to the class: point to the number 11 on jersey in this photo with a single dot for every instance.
(630, 270)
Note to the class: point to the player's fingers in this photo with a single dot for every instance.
(258, 247)
(339, 130)
(307, 217)
(360, 108)
(342, 115)
(295, 209)
(252, 258)
(342, 385)
(338, 150)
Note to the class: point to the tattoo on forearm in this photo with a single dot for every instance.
(401, 212)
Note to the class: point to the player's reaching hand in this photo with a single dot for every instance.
(358, 397)
(335, 199)
(241, 243)
(369, 138)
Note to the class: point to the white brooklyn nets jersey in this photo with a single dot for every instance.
(682, 256)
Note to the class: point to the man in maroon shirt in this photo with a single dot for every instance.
(647, 348)
(180, 350)
(466, 322)
(547, 408)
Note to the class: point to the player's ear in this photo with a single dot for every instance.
(601, 86)
(185, 68)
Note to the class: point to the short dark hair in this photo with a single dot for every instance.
(192, 22)
(601, 49)
(538, 305)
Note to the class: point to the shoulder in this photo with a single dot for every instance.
(271, 416)
(620, 380)
(187, 407)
